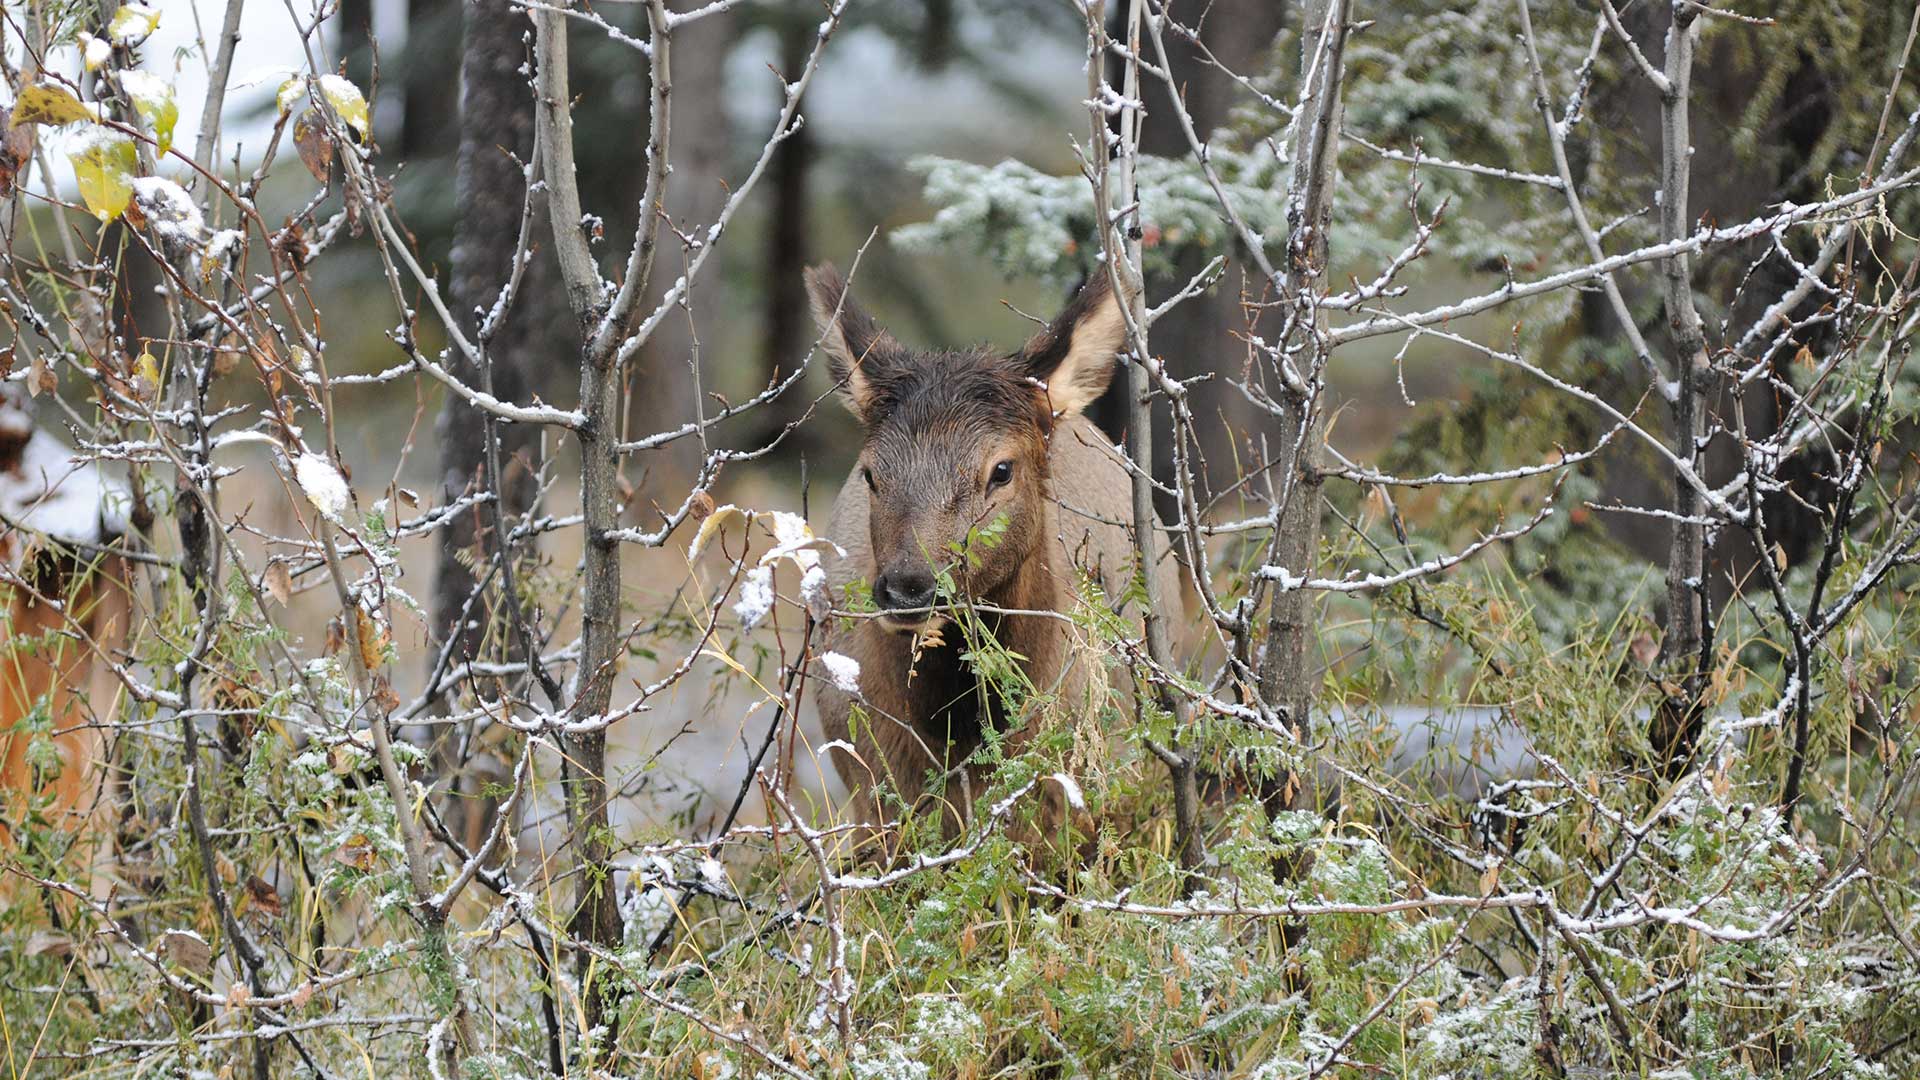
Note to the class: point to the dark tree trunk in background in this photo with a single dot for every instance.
(353, 53)
(789, 330)
(496, 107)
(137, 312)
(354, 49)
(695, 192)
(1199, 335)
(426, 74)
(936, 35)
(1728, 184)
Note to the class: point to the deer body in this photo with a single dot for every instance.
(978, 466)
(43, 667)
(66, 615)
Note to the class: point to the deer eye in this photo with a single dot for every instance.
(867, 474)
(1002, 472)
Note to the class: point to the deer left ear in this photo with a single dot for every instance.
(1075, 355)
(860, 355)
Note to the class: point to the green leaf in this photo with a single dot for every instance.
(103, 164)
(45, 104)
(133, 22)
(153, 99)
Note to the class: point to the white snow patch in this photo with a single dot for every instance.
(323, 486)
(1070, 788)
(644, 911)
(338, 88)
(812, 584)
(52, 492)
(794, 539)
(756, 596)
(223, 242)
(843, 671)
(171, 213)
(94, 52)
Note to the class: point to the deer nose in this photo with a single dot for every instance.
(904, 589)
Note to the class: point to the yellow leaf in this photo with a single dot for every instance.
(146, 376)
(94, 52)
(44, 104)
(290, 93)
(372, 639)
(133, 22)
(153, 100)
(104, 166)
(357, 853)
(347, 100)
(714, 523)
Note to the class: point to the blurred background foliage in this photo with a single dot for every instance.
(949, 131)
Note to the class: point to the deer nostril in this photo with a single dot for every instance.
(911, 589)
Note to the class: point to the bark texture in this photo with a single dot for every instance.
(1199, 335)
(492, 187)
(1288, 674)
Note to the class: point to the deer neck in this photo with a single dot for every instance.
(1033, 587)
(945, 692)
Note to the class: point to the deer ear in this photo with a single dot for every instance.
(859, 352)
(1075, 355)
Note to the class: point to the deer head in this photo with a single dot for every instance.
(955, 459)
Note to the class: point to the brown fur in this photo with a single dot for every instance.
(936, 426)
(64, 609)
(51, 647)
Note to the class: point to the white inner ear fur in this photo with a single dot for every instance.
(858, 389)
(1097, 339)
(833, 339)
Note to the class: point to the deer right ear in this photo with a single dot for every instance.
(1075, 355)
(858, 351)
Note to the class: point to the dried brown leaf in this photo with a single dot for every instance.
(279, 582)
(315, 145)
(187, 950)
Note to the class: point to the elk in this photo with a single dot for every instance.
(961, 444)
(68, 603)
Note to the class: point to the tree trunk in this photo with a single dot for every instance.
(1288, 676)
(353, 56)
(788, 329)
(1198, 335)
(497, 119)
(674, 360)
(497, 125)
(430, 63)
(353, 49)
(1688, 632)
